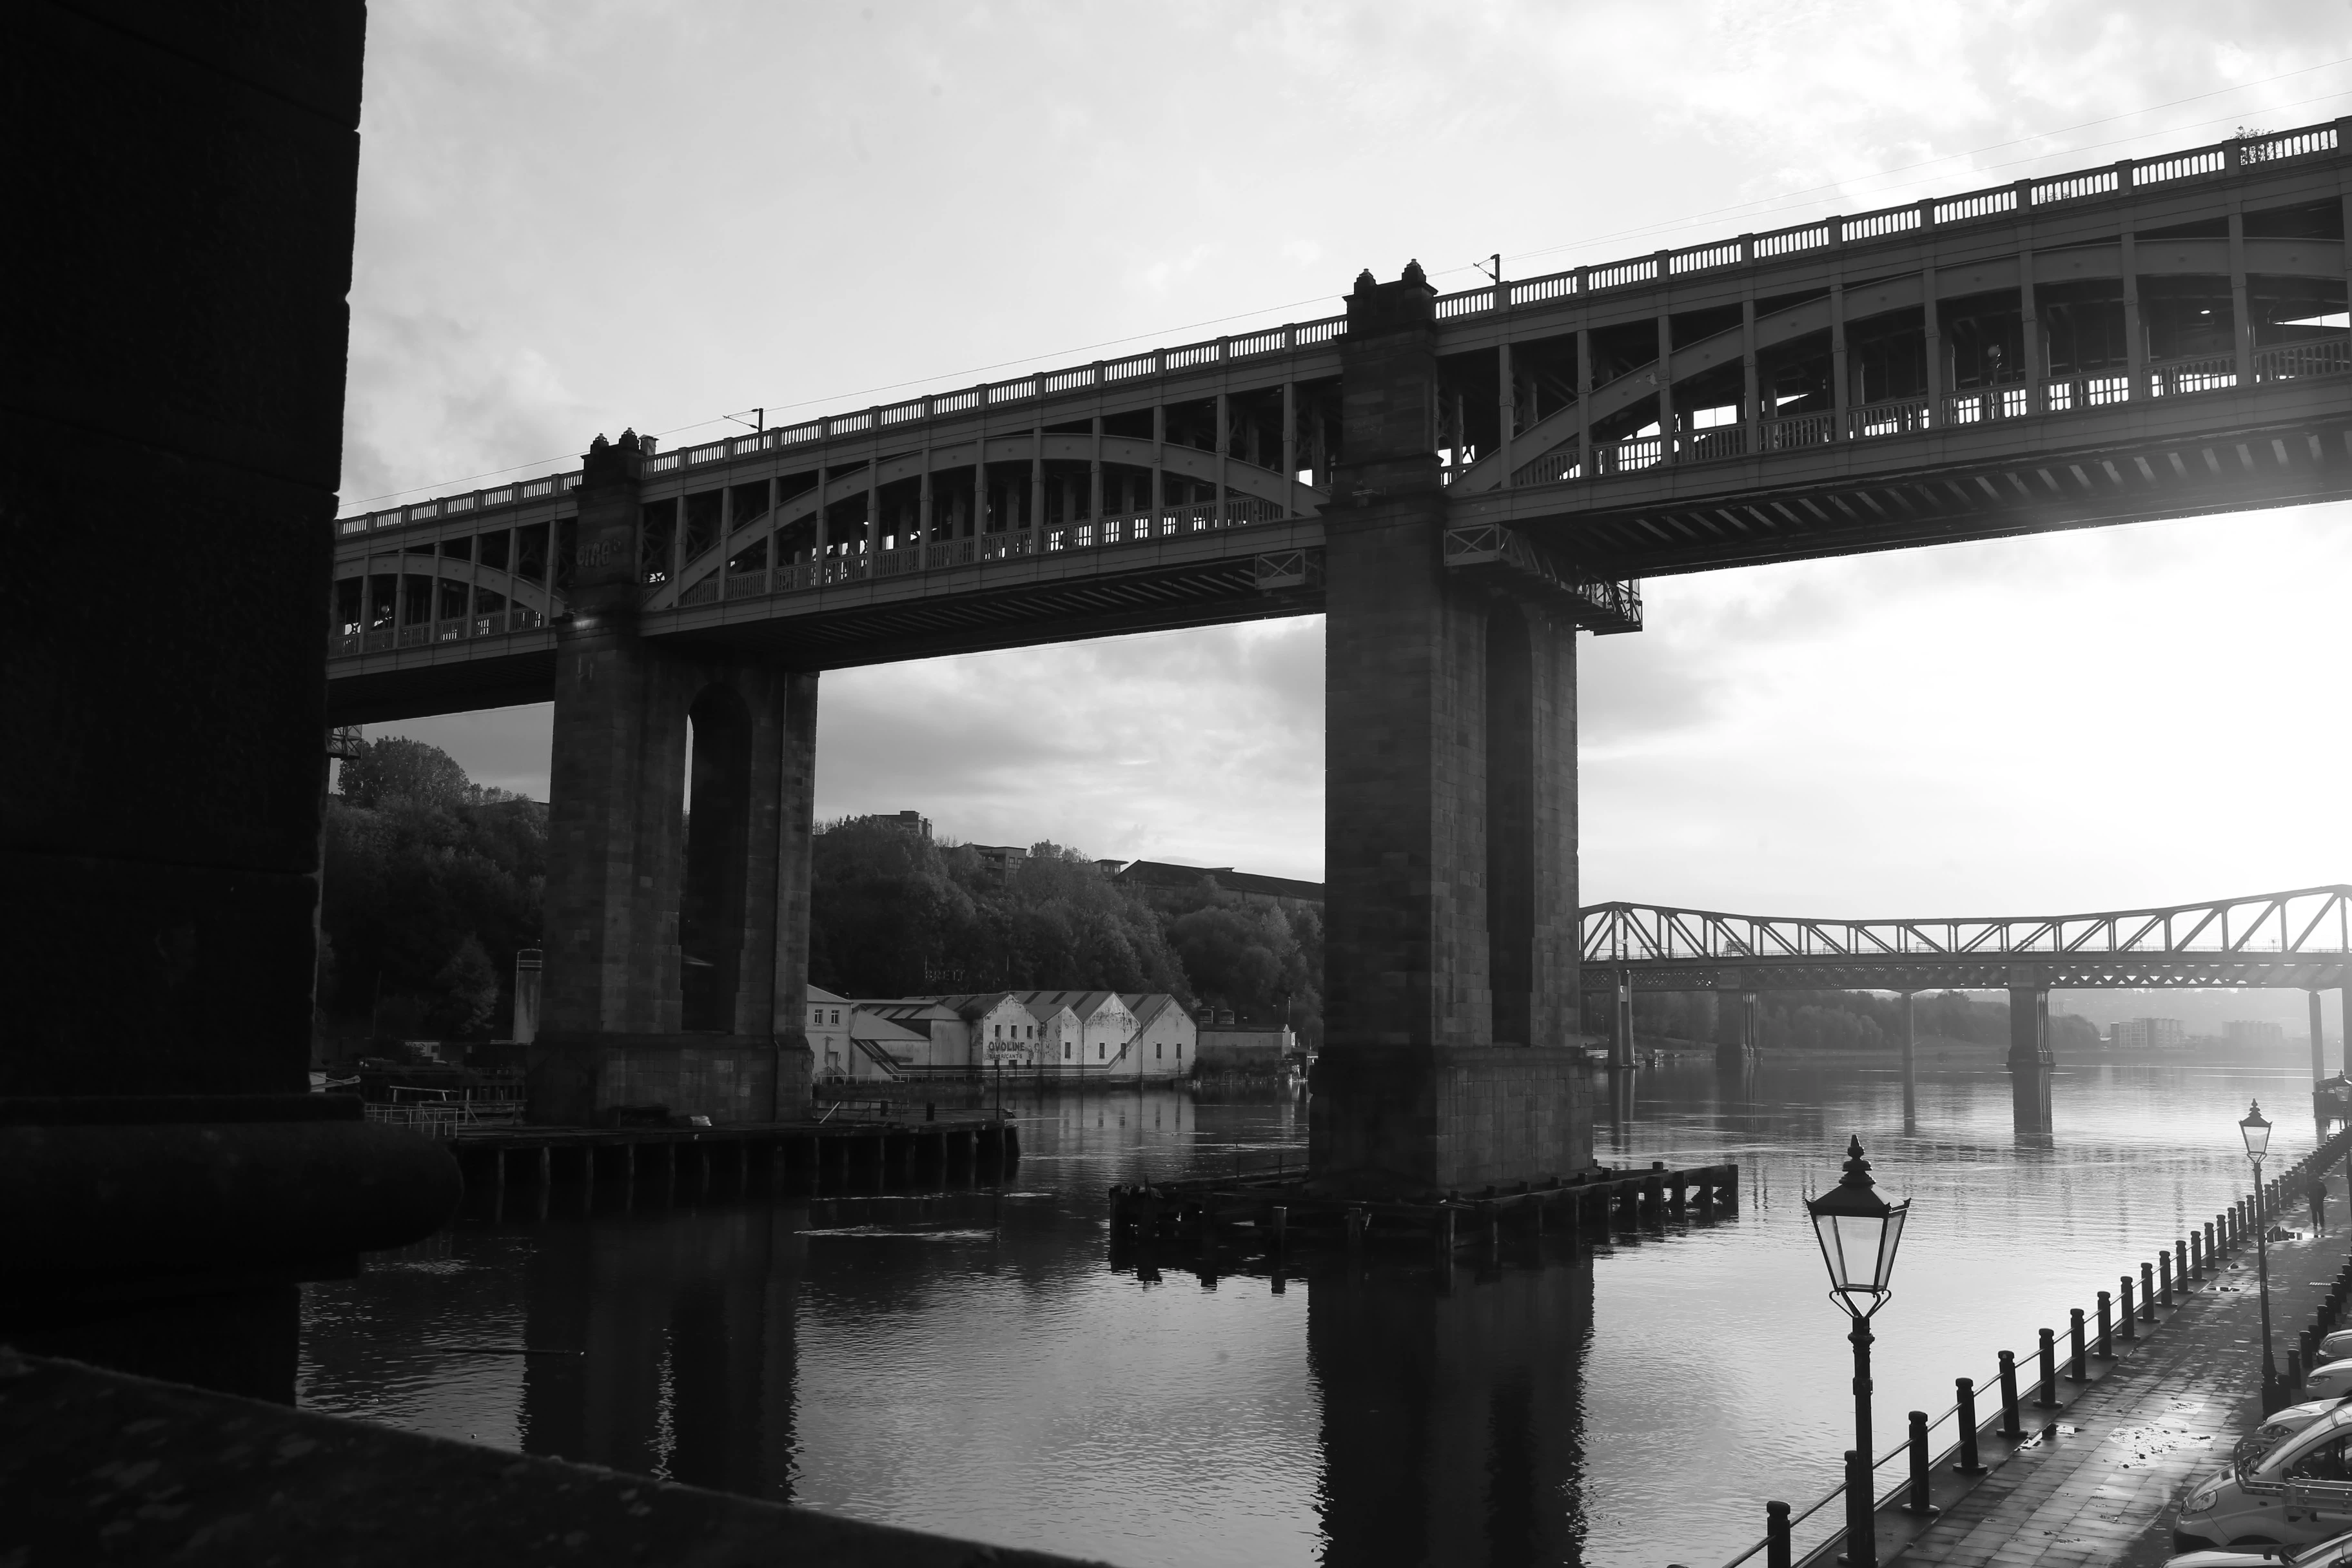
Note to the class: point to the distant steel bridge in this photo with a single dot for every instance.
(2291, 940)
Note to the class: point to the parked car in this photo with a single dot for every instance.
(2274, 1429)
(2298, 1493)
(2336, 1551)
(2335, 1347)
(2331, 1381)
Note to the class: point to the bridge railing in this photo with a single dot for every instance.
(2000, 203)
(1994, 203)
(857, 564)
(2293, 362)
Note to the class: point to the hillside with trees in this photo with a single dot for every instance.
(433, 882)
(894, 912)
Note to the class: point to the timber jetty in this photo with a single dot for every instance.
(1281, 1210)
(745, 1156)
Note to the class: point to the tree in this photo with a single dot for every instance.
(396, 767)
(893, 912)
(416, 871)
(466, 991)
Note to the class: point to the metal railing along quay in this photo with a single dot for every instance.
(1926, 1479)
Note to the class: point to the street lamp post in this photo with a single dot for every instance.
(2257, 1134)
(1859, 1232)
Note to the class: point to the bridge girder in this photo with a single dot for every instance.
(2297, 939)
(2263, 425)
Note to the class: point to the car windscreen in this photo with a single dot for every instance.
(2283, 1458)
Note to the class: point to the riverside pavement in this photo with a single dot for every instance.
(2105, 1482)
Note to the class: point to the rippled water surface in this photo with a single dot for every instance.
(970, 1362)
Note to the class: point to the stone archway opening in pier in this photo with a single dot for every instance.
(717, 819)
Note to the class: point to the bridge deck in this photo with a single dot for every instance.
(1853, 384)
(2300, 940)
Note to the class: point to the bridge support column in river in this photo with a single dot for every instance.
(1451, 1013)
(1736, 1041)
(2030, 1064)
(1910, 1063)
(1621, 1026)
(2318, 1043)
(676, 950)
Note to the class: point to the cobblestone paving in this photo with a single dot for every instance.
(2100, 1486)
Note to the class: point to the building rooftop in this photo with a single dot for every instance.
(1184, 879)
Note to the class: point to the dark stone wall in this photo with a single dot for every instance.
(1452, 1420)
(613, 1010)
(1554, 1009)
(1448, 706)
(181, 196)
(1404, 840)
(1413, 1120)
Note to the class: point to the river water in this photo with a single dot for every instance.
(970, 1362)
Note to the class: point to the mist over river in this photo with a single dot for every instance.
(969, 1361)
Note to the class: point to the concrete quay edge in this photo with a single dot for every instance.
(100, 1465)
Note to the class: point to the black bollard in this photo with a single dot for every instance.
(2012, 1428)
(2147, 1294)
(2077, 1367)
(1776, 1535)
(2164, 1278)
(2106, 1350)
(2196, 1264)
(1969, 1463)
(2180, 1267)
(1861, 1513)
(2131, 1314)
(1919, 1503)
(2212, 1260)
(2046, 1396)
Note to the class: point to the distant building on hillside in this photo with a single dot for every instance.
(828, 1035)
(1228, 1046)
(1165, 884)
(1166, 1041)
(1103, 1022)
(1060, 1034)
(1001, 859)
(883, 1052)
(999, 1031)
(2252, 1034)
(912, 822)
(2150, 1034)
(947, 1042)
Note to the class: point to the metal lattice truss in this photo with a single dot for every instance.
(2300, 940)
(1601, 605)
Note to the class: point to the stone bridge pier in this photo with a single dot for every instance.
(677, 944)
(2031, 1062)
(1450, 840)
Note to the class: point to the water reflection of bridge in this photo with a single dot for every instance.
(1450, 1422)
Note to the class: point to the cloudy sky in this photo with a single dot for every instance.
(575, 217)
